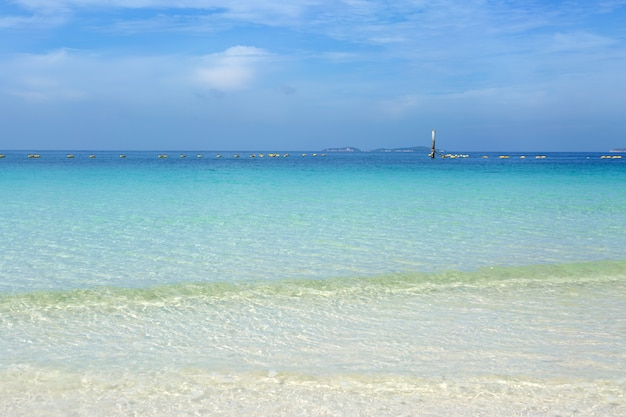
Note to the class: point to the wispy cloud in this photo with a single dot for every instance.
(65, 74)
(269, 13)
(39, 78)
(37, 21)
(578, 41)
(231, 70)
(365, 22)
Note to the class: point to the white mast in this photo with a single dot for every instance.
(432, 149)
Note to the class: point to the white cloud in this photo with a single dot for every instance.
(231, 70)
(71, 75)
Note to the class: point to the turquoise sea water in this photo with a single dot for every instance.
(349, 285)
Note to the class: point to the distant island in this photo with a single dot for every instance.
(618, 150)
(351, 149)
(346, 149)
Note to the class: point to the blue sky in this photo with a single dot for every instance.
(510, 75)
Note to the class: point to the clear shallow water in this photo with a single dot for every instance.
(341, 285)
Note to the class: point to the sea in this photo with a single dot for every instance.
(310, 284)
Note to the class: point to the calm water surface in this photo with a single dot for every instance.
(350, 284)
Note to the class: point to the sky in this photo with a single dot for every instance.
(489, 75)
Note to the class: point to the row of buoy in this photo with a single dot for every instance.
(270, 155)
(92, 156)
(252, 155)
(182, 155)
(277, 155)
(521, 157)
